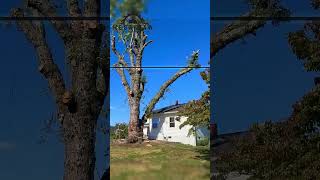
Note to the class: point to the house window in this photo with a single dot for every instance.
(155, 122)
(172, 122)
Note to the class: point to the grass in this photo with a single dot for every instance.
(161, 161)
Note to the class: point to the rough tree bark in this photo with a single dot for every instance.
(79, 106)
(134, 47)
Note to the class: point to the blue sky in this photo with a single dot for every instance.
(175, 35)
(260, 79)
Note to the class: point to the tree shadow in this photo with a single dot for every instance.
(204, 153)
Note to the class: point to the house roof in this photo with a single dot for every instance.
(168, 108)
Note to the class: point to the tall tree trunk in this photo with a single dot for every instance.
(133, 128)
(83, 110)
(79, 137)
(78, 103)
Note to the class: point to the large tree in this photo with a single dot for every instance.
(79, 103)
(130, 28)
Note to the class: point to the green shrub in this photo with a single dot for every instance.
(280, 150)
(203, 142)
(119, 131)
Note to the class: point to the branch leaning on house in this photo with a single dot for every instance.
(193, 63)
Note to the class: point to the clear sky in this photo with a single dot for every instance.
(260, 79)
(178, 28)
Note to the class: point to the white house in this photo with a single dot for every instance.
(164, 125)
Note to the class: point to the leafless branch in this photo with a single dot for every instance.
(124, 80)
(46, 8)
(36, 34)
(233, 32)
(162, 90)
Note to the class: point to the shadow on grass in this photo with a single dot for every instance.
(204, 153)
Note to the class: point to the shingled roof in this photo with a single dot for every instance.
(168, 108)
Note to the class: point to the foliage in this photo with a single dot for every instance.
(305, 43)
(125, 7)
(271, 7)
(193, 59)
(267, 5)
(307, 47)
(281, 150)
(128, 26)
(198, 111)
(119, 131)
(203, 142)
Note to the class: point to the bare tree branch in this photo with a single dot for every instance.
(119, 55)
(239, 29)
(46, 8)
(35, 33)
(162, 90)
(146, 44)
(124, 81)
(234, 32)
(192, 65)
(131, 56)
(92, 8)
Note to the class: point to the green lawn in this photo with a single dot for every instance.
(161, 161)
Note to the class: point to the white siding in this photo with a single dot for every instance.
(172, 134)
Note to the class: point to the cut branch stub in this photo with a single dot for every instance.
(131, 94)
(67, 98)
